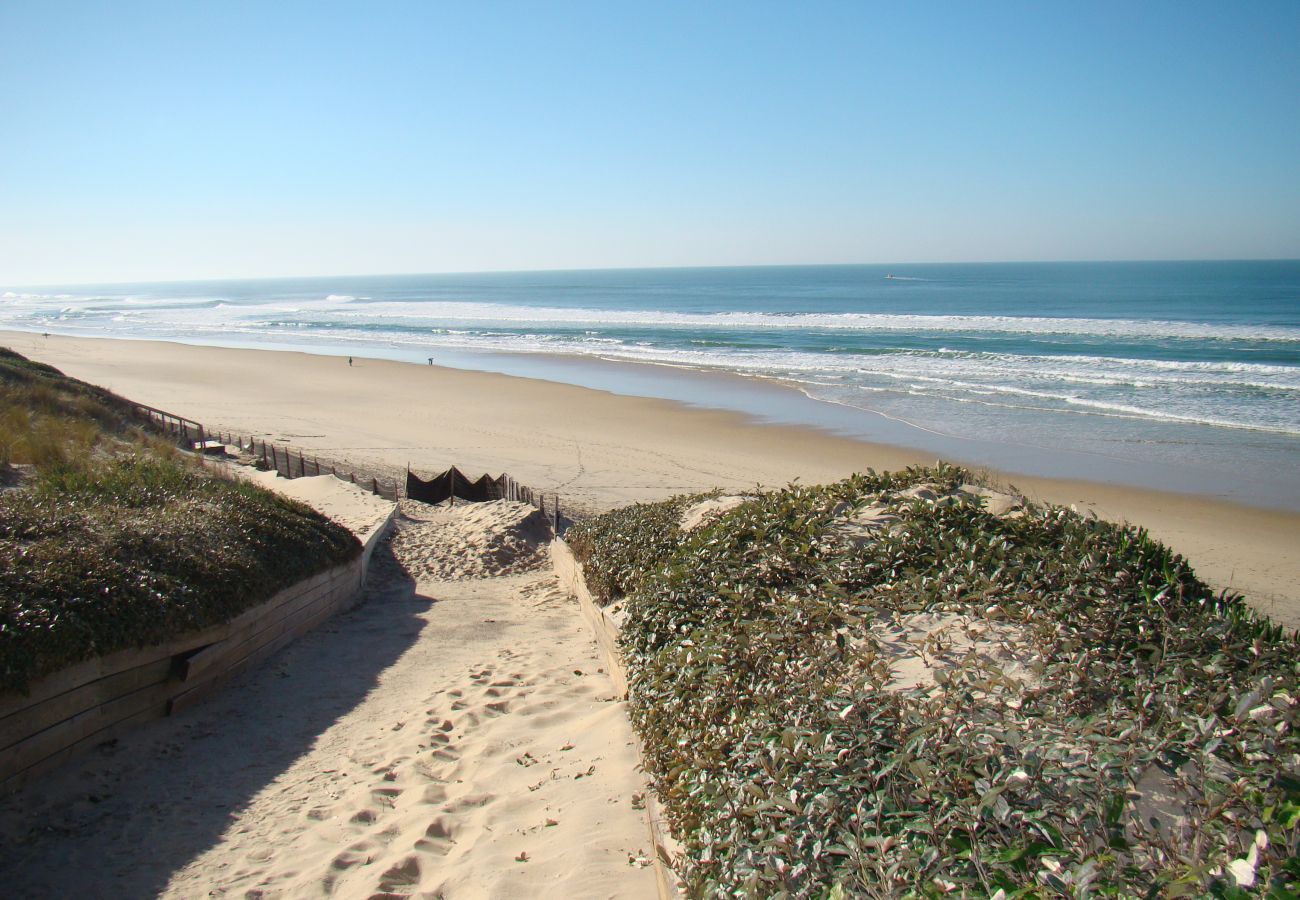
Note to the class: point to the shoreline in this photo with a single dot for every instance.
(598, 450)
(1186, 458)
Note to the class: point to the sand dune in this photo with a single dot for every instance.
(353, 507)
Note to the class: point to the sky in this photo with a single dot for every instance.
(164, 141)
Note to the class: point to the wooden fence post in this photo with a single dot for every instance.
(374, 483)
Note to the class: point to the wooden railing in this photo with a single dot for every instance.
(293, 462)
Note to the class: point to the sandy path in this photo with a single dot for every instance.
(447, 738)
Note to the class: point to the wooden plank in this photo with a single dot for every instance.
(16, 781)
(214, 655)
(40, 716)
(312, 588)
(321, 607)
(76, 675)
(71, 731)
(605, 629)
(77, 707)
(240, 657)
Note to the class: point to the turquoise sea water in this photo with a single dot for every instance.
(1182, 375)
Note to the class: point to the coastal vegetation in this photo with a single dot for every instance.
(111, 538)
(899, 685)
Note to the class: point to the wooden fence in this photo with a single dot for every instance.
(293, 462)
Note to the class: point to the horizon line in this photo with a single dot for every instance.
(561, 270)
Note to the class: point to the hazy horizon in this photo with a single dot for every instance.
(777, 265)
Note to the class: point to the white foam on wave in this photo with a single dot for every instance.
(1228, 393)
(345, 308)
(33, 298)
(501, 314)
(1212, 397)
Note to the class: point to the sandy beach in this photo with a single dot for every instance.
(457, 735)
(598, 450)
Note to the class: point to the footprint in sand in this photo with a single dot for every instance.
(386, 795)
(403, 874)
(357, 854)
(438, 837)
(434, 795)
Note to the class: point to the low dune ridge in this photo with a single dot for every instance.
(479, 540)
(351, 506)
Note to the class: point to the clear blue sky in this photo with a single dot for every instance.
(143, 141)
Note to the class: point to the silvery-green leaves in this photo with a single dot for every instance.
(1134, 737)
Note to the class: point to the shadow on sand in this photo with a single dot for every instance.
(120, 820)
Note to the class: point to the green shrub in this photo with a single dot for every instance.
(119, 541)
(788, 764)
(624, 546)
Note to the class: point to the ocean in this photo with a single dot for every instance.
(1178, 375)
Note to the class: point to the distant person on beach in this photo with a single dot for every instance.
(430, 360)
(349, 360)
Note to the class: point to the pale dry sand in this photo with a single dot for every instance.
(599, 450)
(454, 738)
(350, 505)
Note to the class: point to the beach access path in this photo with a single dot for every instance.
(456, 735)
(599, 450)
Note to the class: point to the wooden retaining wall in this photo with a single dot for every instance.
(86, 704)
(606, 631)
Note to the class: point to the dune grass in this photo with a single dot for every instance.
(1147, 749)
(114, 539)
